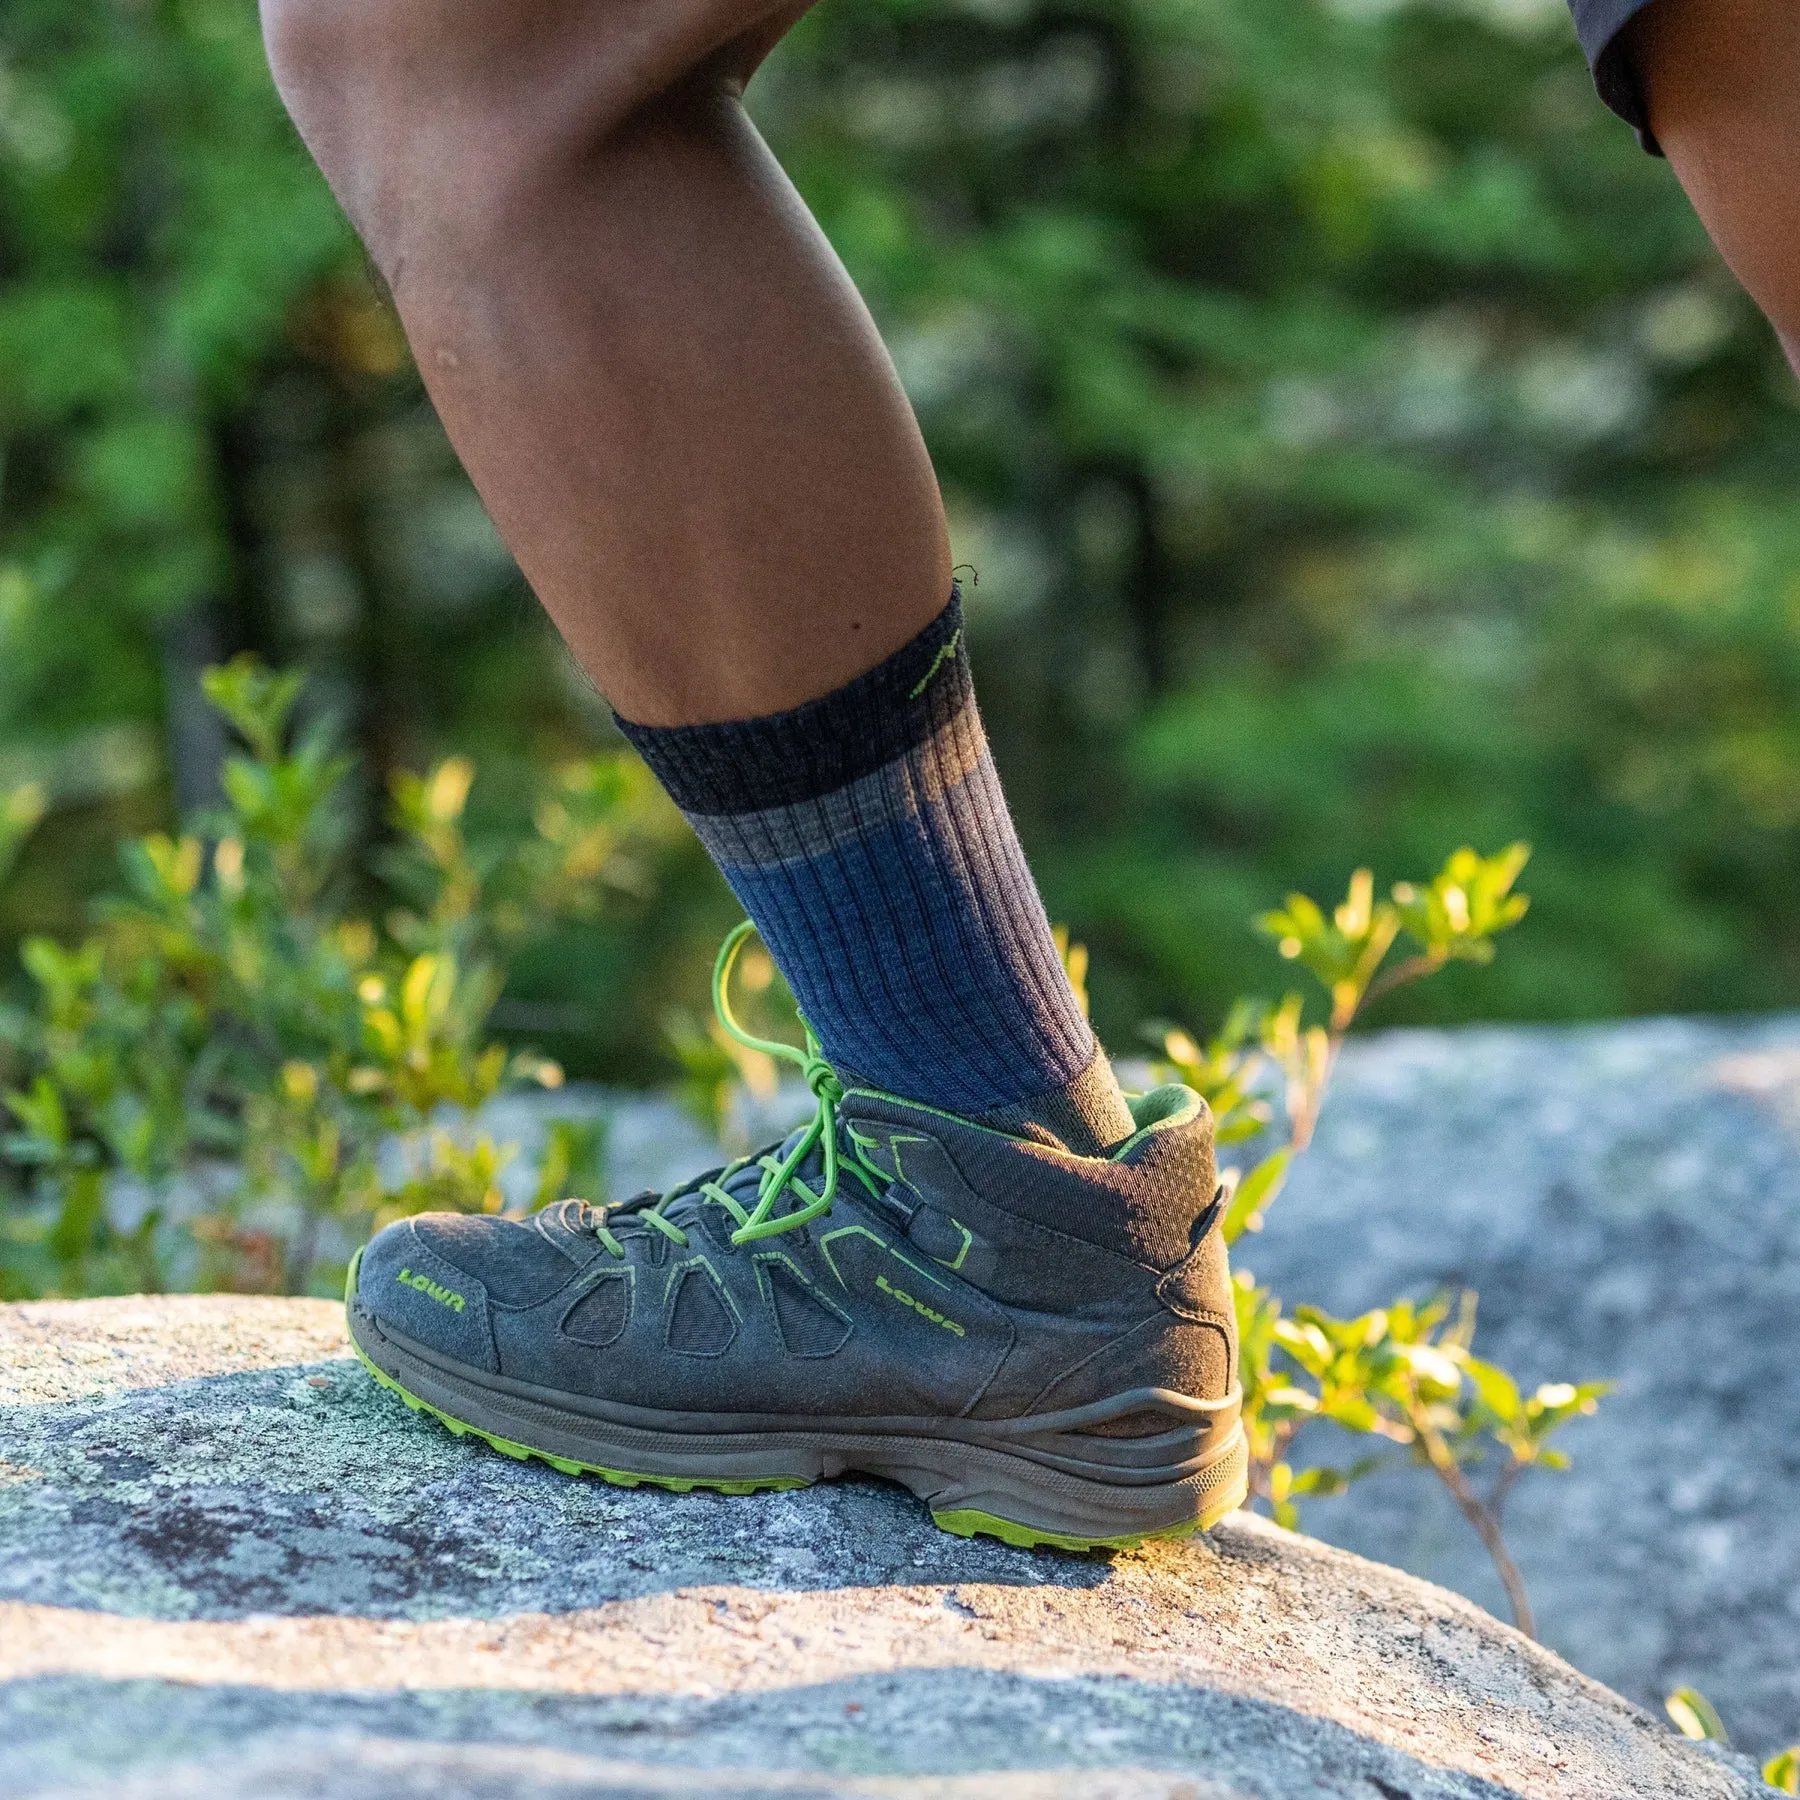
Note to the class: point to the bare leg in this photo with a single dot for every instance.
(1722, 80)
(653, 365)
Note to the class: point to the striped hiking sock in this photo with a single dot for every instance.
(866, 834)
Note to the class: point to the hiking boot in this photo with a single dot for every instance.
(1040, 1345)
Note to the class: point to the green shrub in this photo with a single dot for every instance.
(1404, 1374)
(259, 1055)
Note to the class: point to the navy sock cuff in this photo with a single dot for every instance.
(822, 745)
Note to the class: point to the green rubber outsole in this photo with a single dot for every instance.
(569, 1465)
(1028, 1537)
(963, 1523)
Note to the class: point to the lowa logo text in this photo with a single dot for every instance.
(425, 1285)
(918, 1306)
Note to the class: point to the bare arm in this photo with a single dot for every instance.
(1722, 81)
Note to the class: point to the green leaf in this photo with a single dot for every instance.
(1258, 1190)
(1455, 915)
(1343, 951)
(1695, 1717)
(21, 809)
(1322, 1481)
(1304, 1339)
(1782, 1770)
(78, 1216)
(1290, 1401)
(1499, 1392)
(42, 1113)
(1355, 1412)
(256, 700)
(1433, 1367)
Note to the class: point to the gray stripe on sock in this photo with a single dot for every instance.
(812, 828)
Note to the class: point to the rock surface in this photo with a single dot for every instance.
(1626, 1199)
(230, 1566)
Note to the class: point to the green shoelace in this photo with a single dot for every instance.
(780, 1175)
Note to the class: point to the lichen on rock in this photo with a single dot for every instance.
(231, 1566)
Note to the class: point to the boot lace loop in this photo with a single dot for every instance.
(780, 1175)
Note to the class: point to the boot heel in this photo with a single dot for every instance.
(1028, 1510)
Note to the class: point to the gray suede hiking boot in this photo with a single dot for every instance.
(1040, 1345)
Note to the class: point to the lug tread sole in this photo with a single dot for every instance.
(569, 1465)
(968, 1523)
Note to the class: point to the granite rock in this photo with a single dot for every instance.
(230, 1566)
(1626, 1200)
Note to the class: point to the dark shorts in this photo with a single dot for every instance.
(1598, 23)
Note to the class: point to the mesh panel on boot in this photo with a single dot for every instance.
(700, 1324)
(600, 1316)
(807, 1324)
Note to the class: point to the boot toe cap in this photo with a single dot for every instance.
(405, 1282)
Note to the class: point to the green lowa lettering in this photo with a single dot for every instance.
(425, 1285)
(918, 1306)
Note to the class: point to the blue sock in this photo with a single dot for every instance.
(866, 834)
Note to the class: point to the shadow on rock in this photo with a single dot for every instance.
(980, 1733)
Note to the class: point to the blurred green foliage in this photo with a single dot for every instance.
(1359, 445)
(239, 1073)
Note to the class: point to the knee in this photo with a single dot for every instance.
(436, 119)
(392, 109)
